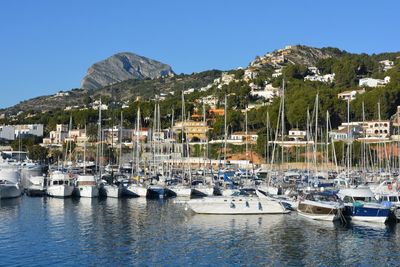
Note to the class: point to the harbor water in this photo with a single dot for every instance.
(141, 232)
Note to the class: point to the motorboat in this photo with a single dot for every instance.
(243, 202)
(9, 183)
(360, 205)
(394, 199)
(324, 206)
(60, 185)
(36, 187)
(87, 186)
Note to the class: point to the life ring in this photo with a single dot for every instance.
(390, 187)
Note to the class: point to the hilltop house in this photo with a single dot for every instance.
(241, 137)
(350, 95)
(386, 64)
(57, 137)
(297, 135)
(346, 132)
(371, 82)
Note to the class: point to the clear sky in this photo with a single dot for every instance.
(47, 45)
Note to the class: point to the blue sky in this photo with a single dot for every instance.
(47, 45)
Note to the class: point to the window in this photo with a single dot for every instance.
(347, 199)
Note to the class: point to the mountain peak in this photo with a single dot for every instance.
(123, 66)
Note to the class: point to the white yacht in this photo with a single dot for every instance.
(59, 185)
(9, 183)
(245, 202)
(87, 186)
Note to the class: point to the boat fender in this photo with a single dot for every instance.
(233, 205)
(259, 206)
(247, 204)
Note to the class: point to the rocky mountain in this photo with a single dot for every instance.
(121, 67)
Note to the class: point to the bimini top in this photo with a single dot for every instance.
(360, 191)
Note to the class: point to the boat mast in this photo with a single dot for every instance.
(327, 140)
(120, 143)
(84, 152)
(99, 142)
(225, 130)
(183, 134)
(138, 141)
(316, 135)
(283, 120)
(267, 140)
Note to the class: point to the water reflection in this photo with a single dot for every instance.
(143, 232)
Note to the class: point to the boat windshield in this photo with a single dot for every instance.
(322, 197)
(245, 192)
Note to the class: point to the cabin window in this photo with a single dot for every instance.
(393, 199)
(347, 199)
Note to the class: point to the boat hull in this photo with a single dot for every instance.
(367, 214)
(35, 192)
(10, 191)
(156, 192)
(315, 211)
(60, 191)
(180, 191)
(88, 191)
(135, 191)
(203, 191)
(112, 191)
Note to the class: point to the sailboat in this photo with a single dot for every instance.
(137, 188)
(86, 183)
(109, 188)
(180, 189)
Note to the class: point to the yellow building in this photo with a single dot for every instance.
(193, 129)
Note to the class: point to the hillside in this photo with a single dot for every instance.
(264, 72)
(122, 91)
